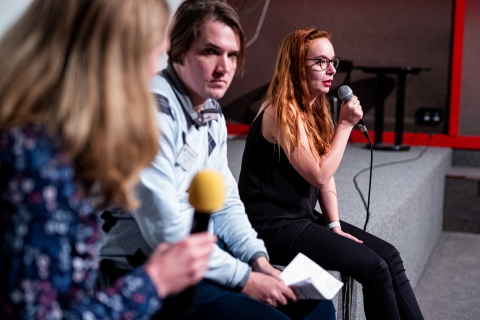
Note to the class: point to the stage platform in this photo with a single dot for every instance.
(406, 206)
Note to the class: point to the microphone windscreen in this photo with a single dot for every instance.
(345, 93)
(207, 191)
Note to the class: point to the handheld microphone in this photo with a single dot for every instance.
(206, 194)
(345, 94)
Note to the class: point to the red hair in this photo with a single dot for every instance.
(289, 95)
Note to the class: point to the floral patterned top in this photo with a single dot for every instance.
(49, 240)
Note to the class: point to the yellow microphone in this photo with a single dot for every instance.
(206, 194)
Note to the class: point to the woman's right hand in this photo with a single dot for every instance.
(174, 267)
(351, 112)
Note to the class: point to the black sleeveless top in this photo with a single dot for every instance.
(273, 192)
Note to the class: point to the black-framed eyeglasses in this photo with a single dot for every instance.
(324, 62)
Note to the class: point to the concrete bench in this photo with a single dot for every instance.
(406, 207)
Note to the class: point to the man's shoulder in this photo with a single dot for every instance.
(159, 83)
(164, 96)
(163, 105)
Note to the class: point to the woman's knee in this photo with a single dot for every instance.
(386, 250)
(377, 274)
(383, 273)
(378, 285)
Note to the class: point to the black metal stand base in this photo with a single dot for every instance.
(389, 147)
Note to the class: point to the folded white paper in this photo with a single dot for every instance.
(308, 280)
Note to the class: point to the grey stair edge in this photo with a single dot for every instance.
(468, 173)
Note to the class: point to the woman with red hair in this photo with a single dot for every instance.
(291, 154)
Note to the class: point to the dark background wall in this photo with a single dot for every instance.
(370, 33)
(414, 33)
(470, 94)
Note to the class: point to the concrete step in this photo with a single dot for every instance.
(448, 288)
(462, 199)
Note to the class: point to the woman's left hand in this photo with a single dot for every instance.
(339, 231)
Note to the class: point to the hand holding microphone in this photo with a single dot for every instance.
(174, 267)
(345, 94)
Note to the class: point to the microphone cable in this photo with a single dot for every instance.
(366, 204)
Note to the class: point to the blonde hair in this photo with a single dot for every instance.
(289, 95)
(81, 68)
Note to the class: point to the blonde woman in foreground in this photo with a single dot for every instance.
(76, 123)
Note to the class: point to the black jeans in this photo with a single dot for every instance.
(214, 302)
(376, 264)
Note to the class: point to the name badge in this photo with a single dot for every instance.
(187, 157)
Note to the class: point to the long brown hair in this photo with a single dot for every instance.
(80, 67)
(290, 89)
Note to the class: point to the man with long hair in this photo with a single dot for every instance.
(207, 48)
